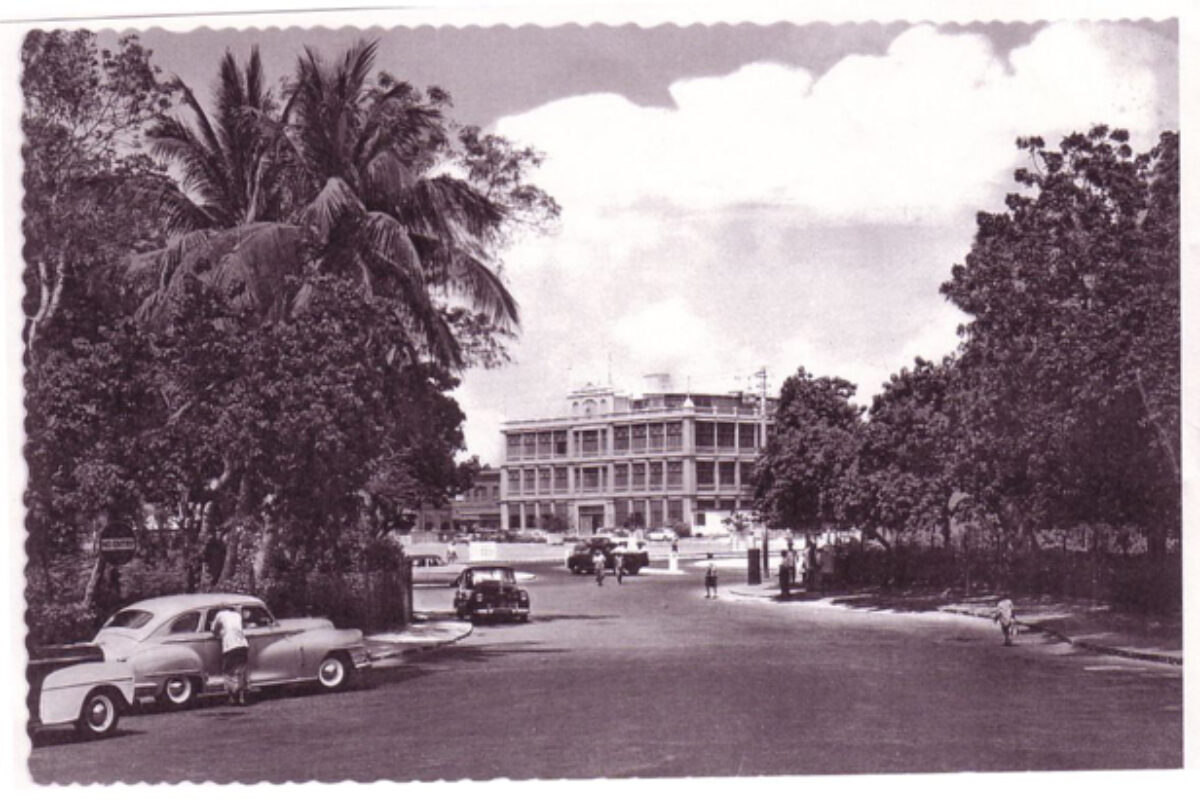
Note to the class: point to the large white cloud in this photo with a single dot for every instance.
(773, 217)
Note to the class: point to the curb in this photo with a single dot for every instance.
(402, 649)
(1087, 645)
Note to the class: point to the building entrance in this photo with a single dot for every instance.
(591, 519)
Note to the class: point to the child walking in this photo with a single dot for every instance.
(1003, 615)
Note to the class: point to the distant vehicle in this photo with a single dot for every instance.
(72, 686)
(612, 532)
(430, 569)
(662, 534)
(490, 591)
(634, 553)
(536, 535)
(176, 657)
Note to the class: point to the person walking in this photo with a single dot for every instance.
(1003, 614)
(619, 566)
(598, 565)
(785, 573)
(710, 578)
(235, 653)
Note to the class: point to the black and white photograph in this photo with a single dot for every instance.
(763, 396)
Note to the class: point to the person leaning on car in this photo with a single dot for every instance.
(235, 652)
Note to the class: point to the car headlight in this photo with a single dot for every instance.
(479, 597)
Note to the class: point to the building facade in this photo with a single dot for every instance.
(613, 460)
(480, 506)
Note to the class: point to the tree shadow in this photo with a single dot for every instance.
(65, 736)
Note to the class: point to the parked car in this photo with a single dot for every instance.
(634, 553)
(662, 534)
(430, 569)
(176, 657)
(490, 591)
(73, 686)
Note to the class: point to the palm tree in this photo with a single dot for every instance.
(374, 164)
(228, 174)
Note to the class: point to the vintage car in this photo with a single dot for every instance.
(430, 569)
(631, 552)
(662, 534)
(176, 657)
(490, 591)
(72, 686)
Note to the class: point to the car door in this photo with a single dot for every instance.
(188, 630)
(274, 655)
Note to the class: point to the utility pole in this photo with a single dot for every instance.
(761, 375)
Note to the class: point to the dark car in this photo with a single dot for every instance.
(490, 591)
(635, 557)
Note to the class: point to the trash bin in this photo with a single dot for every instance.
(753, 566)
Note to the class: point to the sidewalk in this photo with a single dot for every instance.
(387, 649)
(1084, 624)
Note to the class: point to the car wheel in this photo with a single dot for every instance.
(100, 714)
(524, 618)
(178, 692)
(333, 673)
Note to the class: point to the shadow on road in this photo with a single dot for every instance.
(67, 737)
(554, 618)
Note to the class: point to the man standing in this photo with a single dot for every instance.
(785, 573)
(619, 566)
(710, 578)
(598, 564)
(235, 652)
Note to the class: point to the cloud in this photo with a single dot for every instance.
(778, 217)
(915, 133)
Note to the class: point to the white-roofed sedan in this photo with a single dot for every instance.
(175, 656)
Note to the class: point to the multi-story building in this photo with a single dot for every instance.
(480, 506)
(670, 457)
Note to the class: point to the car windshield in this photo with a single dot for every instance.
(480, 575)
(129, 618)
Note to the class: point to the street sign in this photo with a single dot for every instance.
(117, 543)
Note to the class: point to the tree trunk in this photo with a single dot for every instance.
(50, 298)
(89, 592)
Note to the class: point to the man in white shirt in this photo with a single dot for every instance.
(235, 652)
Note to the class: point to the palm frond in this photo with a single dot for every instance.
(483, 289)
(449, 209)
(389, 241)
(335, 202)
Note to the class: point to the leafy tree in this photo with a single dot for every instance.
(906, 461)
(1070, 365)
(84, 109)
(803, 479)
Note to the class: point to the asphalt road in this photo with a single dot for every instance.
(649, 679)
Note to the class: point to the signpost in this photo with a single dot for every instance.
(117, 543)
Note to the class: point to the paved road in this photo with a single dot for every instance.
(650, 679)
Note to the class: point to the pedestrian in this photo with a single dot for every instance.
(598, 565)
(814, 572)
(235, 652)
(619, 566)
(827, 568)
(785, 573)
(1003, 614)
(710, 578)
(452, 552)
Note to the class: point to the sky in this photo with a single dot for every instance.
(741, 197)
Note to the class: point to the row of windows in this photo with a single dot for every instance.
(483, 492)
(652, 475)
(631, 438)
